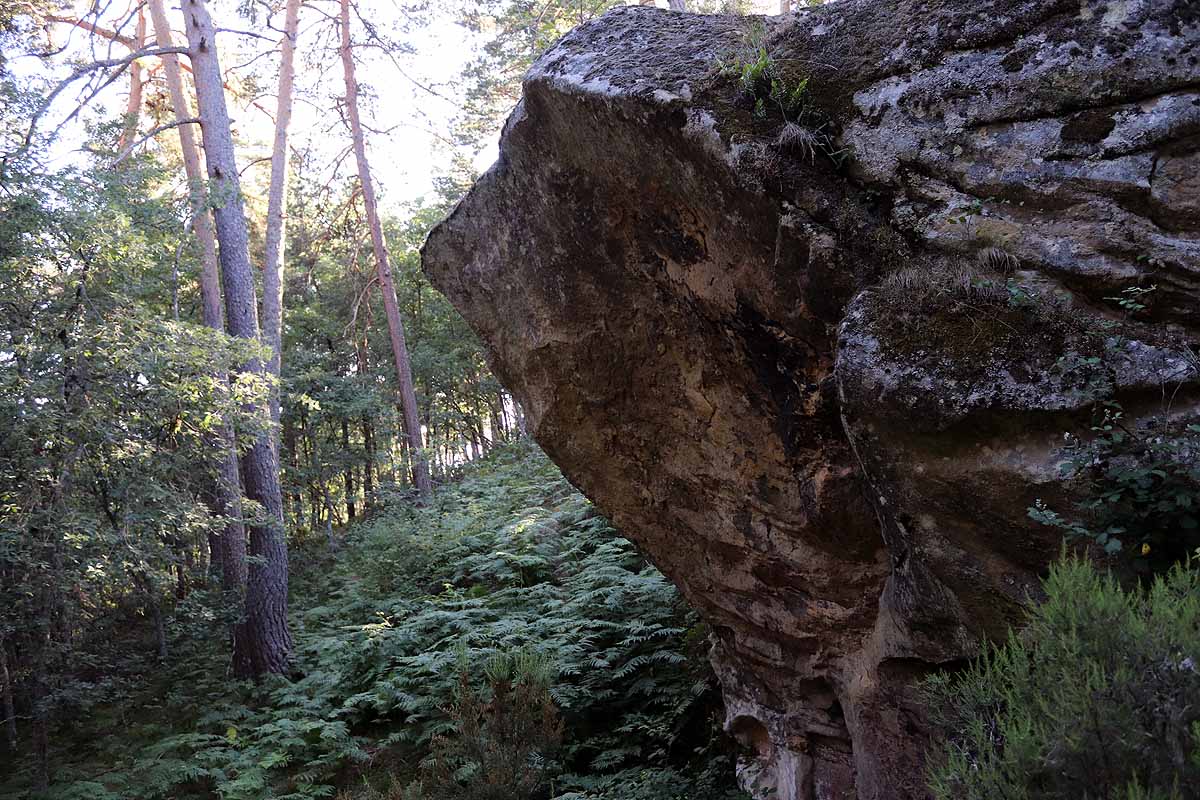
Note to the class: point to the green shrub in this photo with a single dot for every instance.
(505, 737)
(1098, 697)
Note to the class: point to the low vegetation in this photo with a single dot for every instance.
(1096, 697)
(777, 91)
(503, 642)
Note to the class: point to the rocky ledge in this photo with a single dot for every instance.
(814, 344)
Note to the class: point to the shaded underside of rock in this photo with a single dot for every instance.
(780, 368)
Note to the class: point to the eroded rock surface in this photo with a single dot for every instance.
(821, 385)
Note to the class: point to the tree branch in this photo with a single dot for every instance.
(159, 129)
(118, 63)
(90, 27)
(247, 33)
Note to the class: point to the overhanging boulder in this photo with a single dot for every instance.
(816, 371)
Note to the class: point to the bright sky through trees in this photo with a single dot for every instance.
(410, 98)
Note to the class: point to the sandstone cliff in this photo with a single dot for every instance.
(813, 361)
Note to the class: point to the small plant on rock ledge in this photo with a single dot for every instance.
(1141, 483)
(774, 91)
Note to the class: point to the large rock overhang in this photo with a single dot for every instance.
(834, 464)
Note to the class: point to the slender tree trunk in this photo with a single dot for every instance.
(368, 460)
(290, 447)
(677, 5)
(330, 542)
(392, 472)
(348, 472)
(228, 490)
(496, 430)
(318, 494)
(502, 415)
(267, 642)
(137, 83)
(408, 396)
(520, 412)
(160, 630)
(477, 422)
(431, 445)
(277, 203)
(6, 697)
(368, 432)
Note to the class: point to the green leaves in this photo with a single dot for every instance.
(509, 577)
(1139, 481)
(1094, 697)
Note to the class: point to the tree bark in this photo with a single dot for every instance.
(137, 83)
(408, 396)
(522, 429)
(290, 450)
(277, 203)
(227, 495)
(6, 697)
(494, 426)
(266, 642)
(368, 432)
(348, 472)
(368, 461)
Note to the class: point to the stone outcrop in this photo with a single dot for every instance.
(820, 372)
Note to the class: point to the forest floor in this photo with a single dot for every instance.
(502, 642)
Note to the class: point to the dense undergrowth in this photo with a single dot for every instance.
(1098, 696)
(508, 595)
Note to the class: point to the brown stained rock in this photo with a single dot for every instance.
(790, 381)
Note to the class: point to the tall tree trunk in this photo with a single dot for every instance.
(267, 642)
(408, 396)
(503, 415)
(317, 491)
(368, 460)
(160, 630)
(228, 490)
(368, 432)
(290, 452)
(277, 203)
(348, 472)
(6, 697)
(522, 429)
(137, 83)
(154, 610)
(494, 427)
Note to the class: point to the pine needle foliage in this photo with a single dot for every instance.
(1097, 698)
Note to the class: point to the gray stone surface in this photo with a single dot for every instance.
(792, 382)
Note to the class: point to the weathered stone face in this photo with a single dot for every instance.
(772, 371)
